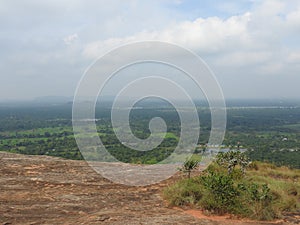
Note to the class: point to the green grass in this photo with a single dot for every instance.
(266, 192)
(284, 184)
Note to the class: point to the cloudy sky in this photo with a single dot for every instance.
(252, 46)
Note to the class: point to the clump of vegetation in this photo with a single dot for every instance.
(184, 192)
(232, 159)
(220, 192)
(189, 165)
(263, 192)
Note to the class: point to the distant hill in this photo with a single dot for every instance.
(53, 99)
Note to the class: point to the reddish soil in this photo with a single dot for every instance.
(48, 190)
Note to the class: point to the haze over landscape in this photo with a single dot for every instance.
(111, 112)
(252, 46)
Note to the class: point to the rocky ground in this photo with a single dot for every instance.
(48, 190)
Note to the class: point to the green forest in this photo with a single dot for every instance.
(269, 132)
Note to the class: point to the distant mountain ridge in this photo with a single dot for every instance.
(53, 99)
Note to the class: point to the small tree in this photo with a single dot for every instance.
(189, 165)
(232, 159)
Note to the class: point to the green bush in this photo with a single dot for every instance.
(232, 159)
(255, 201)
(221, 192)
(224, 187)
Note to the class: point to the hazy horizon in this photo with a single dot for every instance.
(230, 101)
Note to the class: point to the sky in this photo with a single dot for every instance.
(252, 46)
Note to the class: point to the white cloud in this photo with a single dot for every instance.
(293, 20)
(293, 57)
(205, 35)
(246, 40)
(70, 39)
